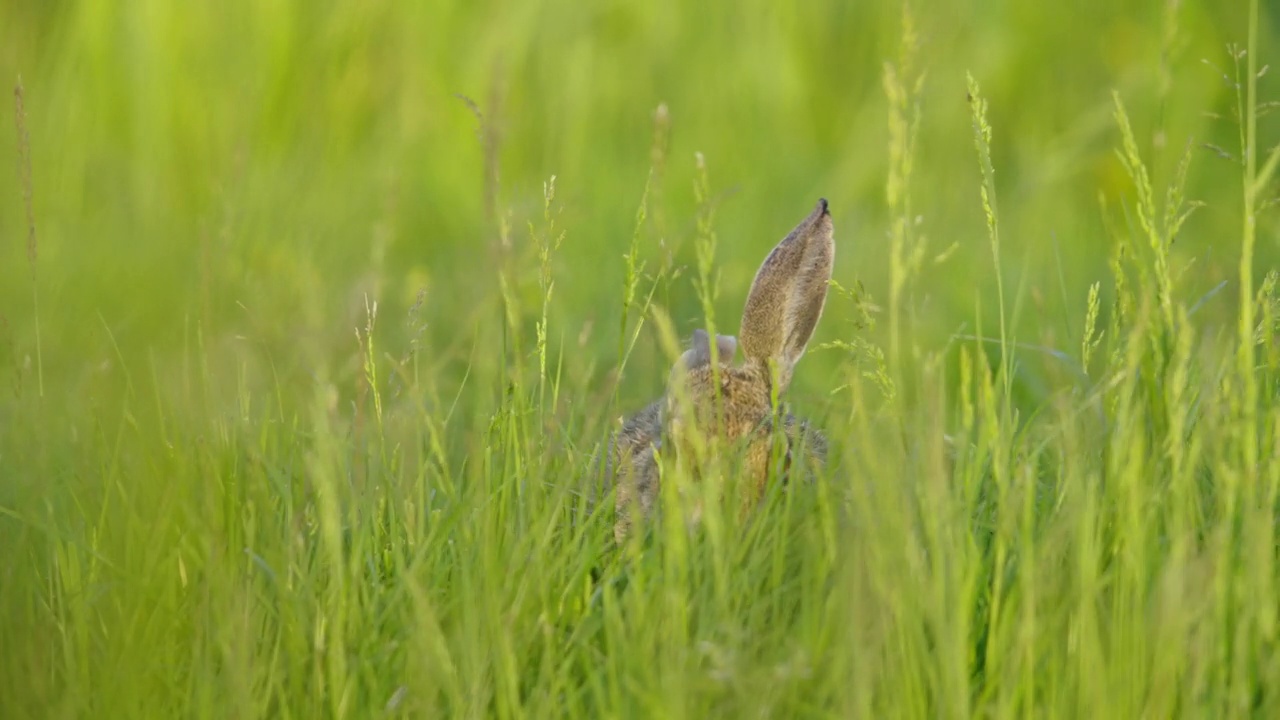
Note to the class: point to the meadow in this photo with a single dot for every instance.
(313, 314)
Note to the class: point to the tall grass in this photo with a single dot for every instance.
(302, 426)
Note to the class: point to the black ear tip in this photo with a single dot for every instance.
(822, 203)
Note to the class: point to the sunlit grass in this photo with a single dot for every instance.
(304, 361)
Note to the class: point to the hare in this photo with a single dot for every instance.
(728, 402)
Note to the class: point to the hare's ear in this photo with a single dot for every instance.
(700, 353)
(788, 294)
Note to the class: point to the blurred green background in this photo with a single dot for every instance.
(242, 174)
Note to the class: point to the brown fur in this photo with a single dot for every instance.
(732, 405)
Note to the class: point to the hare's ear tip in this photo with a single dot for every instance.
(822, 206)
(726, 345)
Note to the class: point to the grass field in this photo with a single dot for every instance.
(312, 315)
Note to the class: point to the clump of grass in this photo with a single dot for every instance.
(903, 84)
(982, 133)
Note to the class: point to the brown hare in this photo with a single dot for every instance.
(732, 403)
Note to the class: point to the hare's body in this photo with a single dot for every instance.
(733, 405)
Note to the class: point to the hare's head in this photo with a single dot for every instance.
(786, 300)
